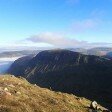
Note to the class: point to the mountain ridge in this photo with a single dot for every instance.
(64, 70)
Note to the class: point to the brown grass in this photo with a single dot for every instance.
(26, 97)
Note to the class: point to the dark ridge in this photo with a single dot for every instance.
(69, 72)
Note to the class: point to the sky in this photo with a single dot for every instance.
(29, 24)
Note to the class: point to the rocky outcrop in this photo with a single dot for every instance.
(94, 106)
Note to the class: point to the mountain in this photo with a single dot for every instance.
(109, 55)
(99, 51)
(18, 95)
(80, 50)
(18, 67)
(7, 58)
(69, 72)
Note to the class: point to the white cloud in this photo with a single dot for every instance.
(55, 39)
(61, 41)
(49, 40)
(23, 45)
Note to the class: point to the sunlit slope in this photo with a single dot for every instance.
(17, 95)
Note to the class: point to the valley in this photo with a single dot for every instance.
(5, 63)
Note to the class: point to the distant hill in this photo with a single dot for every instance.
(18, 53)
(97, 51)
(80, 50)
(17, 95)
(70, 72)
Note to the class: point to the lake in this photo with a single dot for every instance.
(5, 63)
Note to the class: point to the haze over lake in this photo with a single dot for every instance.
(5, 63)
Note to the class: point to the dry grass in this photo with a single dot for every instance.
(26, 97)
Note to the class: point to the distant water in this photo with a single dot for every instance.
(5, 63)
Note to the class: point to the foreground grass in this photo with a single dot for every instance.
(17, 95)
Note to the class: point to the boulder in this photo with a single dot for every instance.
(5, 89)
(93, 105)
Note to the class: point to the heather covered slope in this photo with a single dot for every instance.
(70, 72)
(17, 95)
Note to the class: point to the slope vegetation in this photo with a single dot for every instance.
(17, 95)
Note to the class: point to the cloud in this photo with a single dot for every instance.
(49, 40)
(61, 41)
(23, 45)
(54, 39)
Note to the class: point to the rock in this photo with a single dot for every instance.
(8, 93)
(35, 85)
(98, 109)
(12, 76)
(11, 85)
(5, 89)
(20, 77)
(50, 88)
(79, 99)
(95, 108)
(18, 92)
(93, 105)
(19, 83)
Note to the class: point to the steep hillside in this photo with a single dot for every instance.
(17, 95)
(109, 55)
(71, 72)
(18, 67)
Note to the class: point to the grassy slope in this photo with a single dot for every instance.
(26, 97)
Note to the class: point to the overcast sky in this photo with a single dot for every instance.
(55, 23)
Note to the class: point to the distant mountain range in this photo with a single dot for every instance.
(18, 53)
(67, 71)
(98, 51)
